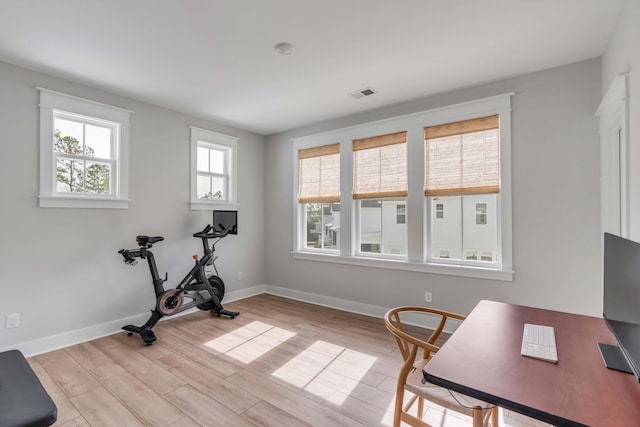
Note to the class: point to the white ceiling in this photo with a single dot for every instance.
(215, 58)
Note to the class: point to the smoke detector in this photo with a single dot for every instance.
(362, 93)
(284, 48)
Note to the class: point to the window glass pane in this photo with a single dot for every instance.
(69, 176)
(371, 226)
(204, 186)
(216, 163)
(380, 230)
(314, 225)
(394, 227)
(480, 228)
(323, 225)
(67, 136)
(218, 188)
(98, 180)
(446, 227)
(211, 187)
(98, 141)
(203, 161)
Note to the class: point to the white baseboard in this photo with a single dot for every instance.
(54, 342)
(357, 307)
(66, 339)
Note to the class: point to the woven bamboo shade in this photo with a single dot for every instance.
(319, 174)
(463, 157)
(380, 166)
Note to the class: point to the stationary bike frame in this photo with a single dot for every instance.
(204, 292)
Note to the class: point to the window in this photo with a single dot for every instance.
(319, 196)
(462, 166)
(213, 169)
(84, 149)
(427, 192)
(380, 186)
(401, 214)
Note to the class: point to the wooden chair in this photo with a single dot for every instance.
(410, 377)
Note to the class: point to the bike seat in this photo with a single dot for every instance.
(148, 240)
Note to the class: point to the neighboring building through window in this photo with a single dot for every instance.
(84, 152)
(213, 169)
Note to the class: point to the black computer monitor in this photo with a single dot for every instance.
(621, 308)
(224, 219)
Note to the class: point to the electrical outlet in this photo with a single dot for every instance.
(240, 275)
(427, 296)
(13, 320)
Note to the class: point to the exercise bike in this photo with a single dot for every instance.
(204, 290)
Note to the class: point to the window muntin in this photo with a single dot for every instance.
(213, 169)
(319, 196)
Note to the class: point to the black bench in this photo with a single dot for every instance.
(23, 400)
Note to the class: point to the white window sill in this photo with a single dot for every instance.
(207, 206)
(81, 202)
(452, 270)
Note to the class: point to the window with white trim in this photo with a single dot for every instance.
(319, 196)
(462, 164)
(426, 192)
(213, 169)
(84, 149)
(379, 187)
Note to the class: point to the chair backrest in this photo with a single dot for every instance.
(409, 344)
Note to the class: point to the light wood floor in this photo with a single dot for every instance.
(280, 363)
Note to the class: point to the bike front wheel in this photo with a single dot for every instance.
(218, 290)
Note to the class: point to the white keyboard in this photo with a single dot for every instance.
(539, 342)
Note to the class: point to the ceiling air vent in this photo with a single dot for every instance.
(362, 93)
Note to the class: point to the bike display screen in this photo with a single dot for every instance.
(224, 219)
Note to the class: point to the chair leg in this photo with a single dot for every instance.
(420, 407)
(397, 412)
(494, 416)
(478, 420)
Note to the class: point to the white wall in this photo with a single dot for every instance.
(623, 55)
(59, 268)
(556, 211)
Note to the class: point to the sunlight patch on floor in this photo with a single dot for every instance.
(251, 341)
(326, 370)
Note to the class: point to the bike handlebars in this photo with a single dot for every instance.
(206, 234)
(145, 243)
(129, 258)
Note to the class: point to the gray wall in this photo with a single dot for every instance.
(556, 205)
(623, 55)
(59, 268)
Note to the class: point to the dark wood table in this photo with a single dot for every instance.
(482, 359)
